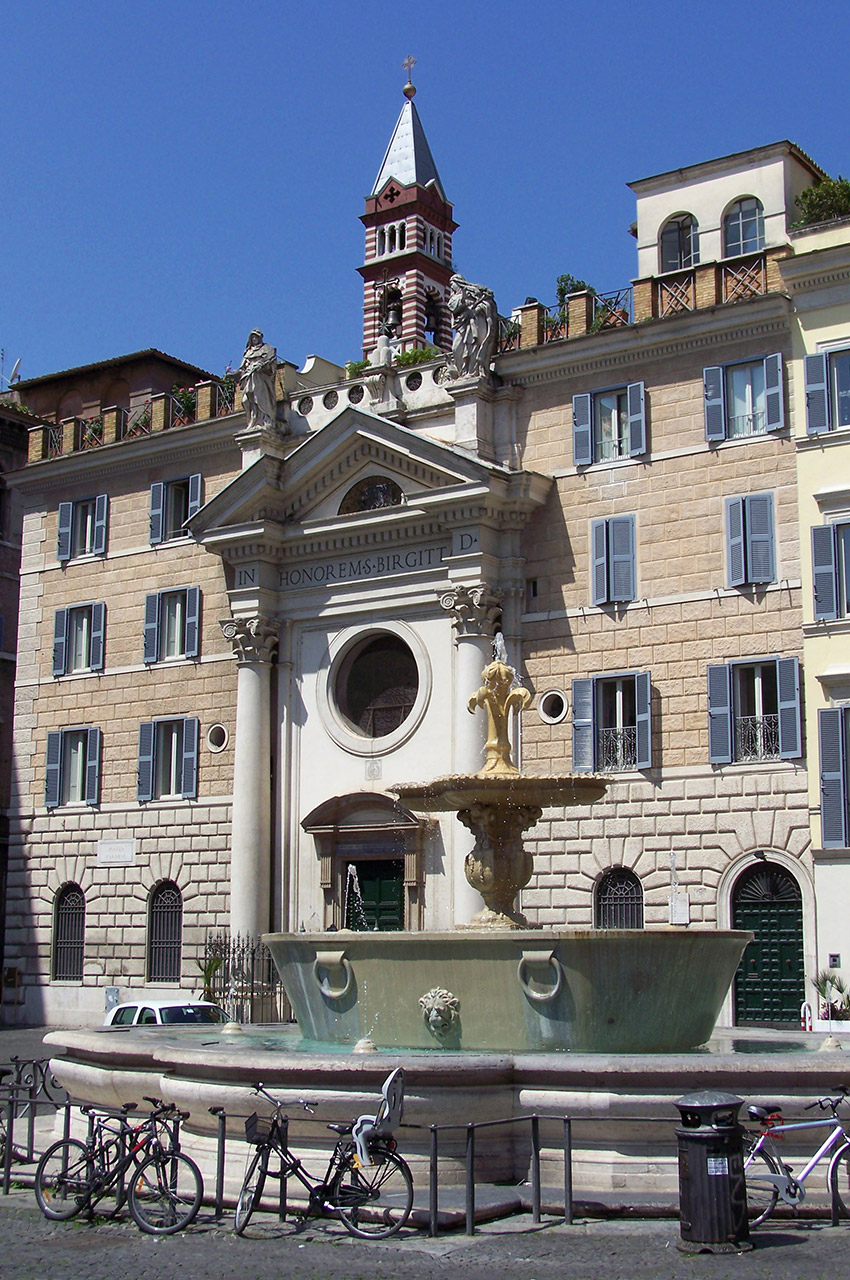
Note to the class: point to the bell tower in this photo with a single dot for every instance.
(409, 227)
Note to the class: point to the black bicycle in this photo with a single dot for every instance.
(119, 1161)
(367, 1184)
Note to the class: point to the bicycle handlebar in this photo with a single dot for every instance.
(310, 1107)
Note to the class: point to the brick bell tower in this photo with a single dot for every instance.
(409, 227)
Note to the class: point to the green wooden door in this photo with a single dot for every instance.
(769, 984)
(381, 895)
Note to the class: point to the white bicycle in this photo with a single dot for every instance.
(770, 1178)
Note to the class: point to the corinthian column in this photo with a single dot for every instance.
(254, 642)
(475, 612)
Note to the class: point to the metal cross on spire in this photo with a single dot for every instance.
(408, 65)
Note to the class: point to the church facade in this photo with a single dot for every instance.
(236, 636)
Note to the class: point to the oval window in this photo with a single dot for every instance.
(377, 684)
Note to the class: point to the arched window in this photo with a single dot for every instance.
(69, 934)
(402, 236)
(743, 227)
(165, 933)
(680, 243)
(382, 242)
(619, 900)
(439, 246)
(391, 240)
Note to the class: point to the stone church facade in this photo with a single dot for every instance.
(235, 637)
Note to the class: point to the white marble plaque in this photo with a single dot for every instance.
(116, 853)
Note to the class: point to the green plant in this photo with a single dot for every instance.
(209, 967)
(567, 284)
(828, 985)
(186, 398)
(355, 368)
(824, 201)
(417, 355)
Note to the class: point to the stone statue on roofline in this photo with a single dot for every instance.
(256, 376)
(476, 325)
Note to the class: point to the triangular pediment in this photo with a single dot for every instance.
(309, 486)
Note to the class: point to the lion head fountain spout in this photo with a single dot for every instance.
(499, 803)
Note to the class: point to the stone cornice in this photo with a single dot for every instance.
(658, 339)
(179, 444)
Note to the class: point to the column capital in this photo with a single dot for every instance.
(474, 610)
(253, 639)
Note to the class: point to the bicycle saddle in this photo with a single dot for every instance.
(342, 1128)
(763, 1113)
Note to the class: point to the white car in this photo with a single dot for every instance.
(171, 1013)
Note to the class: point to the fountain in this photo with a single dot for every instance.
(497, 984)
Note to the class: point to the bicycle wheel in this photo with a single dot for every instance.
(110, 1189)
(373, 1201)
(64, 1179)
(164, 1193)
(839, 1179)
(252, 1187)
(762, 1194)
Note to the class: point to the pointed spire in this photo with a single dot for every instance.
(408, 158)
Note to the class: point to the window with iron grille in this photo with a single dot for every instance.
(165, 933)
(69, 932)
(619, 900)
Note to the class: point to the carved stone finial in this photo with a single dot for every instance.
(475, 610)
(253, 639)
(476, 325)
(499, 695)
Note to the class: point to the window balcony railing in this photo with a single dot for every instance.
(136, 422)
(757, 737)
(676, 293)
(54, 441)
(746, 424)
(225, 397)
(89, 433)
(509, 335)
(616, 749)
(744, 278)
(554, 324)
(613, 310)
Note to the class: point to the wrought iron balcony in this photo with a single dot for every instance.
(757, 737)
(616, 749)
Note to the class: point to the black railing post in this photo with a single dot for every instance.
(10, 1134)
(470, 1179)
(535, 1168)
(568, 1171)
(220, 1156)
(32, 1093)
(66, 1123)
(433, 1193)
(284, 1138)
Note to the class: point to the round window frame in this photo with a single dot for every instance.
(544, 715)
(337, 727)
(212, 746)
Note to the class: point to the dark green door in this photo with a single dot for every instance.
(375, 894)
(769, 984)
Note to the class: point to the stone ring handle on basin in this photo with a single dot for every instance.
(332, 960)
(539, 957)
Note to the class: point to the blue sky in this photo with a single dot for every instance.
(178, 172)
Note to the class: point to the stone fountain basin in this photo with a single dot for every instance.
(515, 790)
(522, 990)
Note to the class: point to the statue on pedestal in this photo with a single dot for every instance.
(256, 376)
(476, 324)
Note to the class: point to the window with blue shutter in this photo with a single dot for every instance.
(60, 622)
(832, 738)
(52, 775)
(613, 560)
(190, 758)
(743, 399)
(147, 734)
(754, 711)
(65, 525)
(788, 699)
(582, 431)
(817, 394)
(637, 419)
(750, 542)
(151, 632)
(612, 726)
(98, 636)
(774, 401)
(73, 767)
(719, 714)
(101, 513)
(195, 483)
(715, 412)
(193, 615)
(92, 779)
(609, 425)
(824, 572)
(157, 513)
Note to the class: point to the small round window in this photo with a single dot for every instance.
(552, 706)
(376, 685)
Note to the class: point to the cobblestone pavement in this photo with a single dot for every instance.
(33, 1249)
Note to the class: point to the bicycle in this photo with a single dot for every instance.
(16, 1154)
(367, 1184)
(163, 1190)
(768, 1176)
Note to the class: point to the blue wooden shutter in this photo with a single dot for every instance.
(599, 561)
(101, 516)
(53, 770)
(643, 721)
(583, 728)
(788, 685)
(833, 778)
(63, 538)
(774, 401)
(194, 503)
(582, 431)
(719, 714)
(817, 394)
(147, 734)
(98, 630)
(193, 608)
(157, 512)
(60, 641)
(621, 551)
(92, 785)
(824, 572)
(761, 555)
(715, 409)
(151, 641)
(189, 788)
(636, 399)
(736, 564)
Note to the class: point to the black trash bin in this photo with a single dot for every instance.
(712, 1192)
